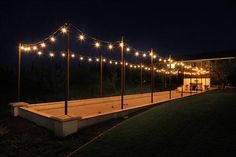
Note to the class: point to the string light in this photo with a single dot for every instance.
(51, 54)
(63, 30)
(81, 37)
(40, 53)
(43, 45)
(28, 49)
(81, 58)
(97, 44)
(22, 48)
(35, 48)
(110, 46)
(52, 39)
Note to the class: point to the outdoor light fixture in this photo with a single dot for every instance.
(121, 44)
(63, 54)
(89, 59)
(110, 46)
(127, 49)
(28, 49)
(137, 53)
(73, 55)
(43, 45)
(40, 53)
(144, 55)
(63, 30)
(81, 37)
(35, 48)
(97, 59)
(52, 39)
(51, 54)
(97, 44)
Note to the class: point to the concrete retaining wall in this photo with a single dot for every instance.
(37, 118)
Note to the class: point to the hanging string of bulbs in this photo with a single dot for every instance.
(39, 47)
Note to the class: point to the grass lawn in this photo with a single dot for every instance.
(201, 126)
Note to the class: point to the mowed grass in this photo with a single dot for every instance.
(202, 125)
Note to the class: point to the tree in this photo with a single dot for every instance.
(221, 70)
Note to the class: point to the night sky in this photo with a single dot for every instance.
(170, 27)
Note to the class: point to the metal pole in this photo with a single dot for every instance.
(19, 73)
(122, 73)
(152, 80)
(101, 74)
(67, 72)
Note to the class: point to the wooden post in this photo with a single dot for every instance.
(122, 73)
(67, 82)
(190, 80)
(101, 74)
(141, 77)
(182, 89)
(152, 78)
(19, 73)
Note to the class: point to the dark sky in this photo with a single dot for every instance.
(170, 27)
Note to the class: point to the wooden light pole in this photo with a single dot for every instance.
(101, 74)
(152, 78)
(182, 89)
(67, 82)
(170, 81)
(19, 73)
(141, 77)
(122, 73)
(190, 80)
